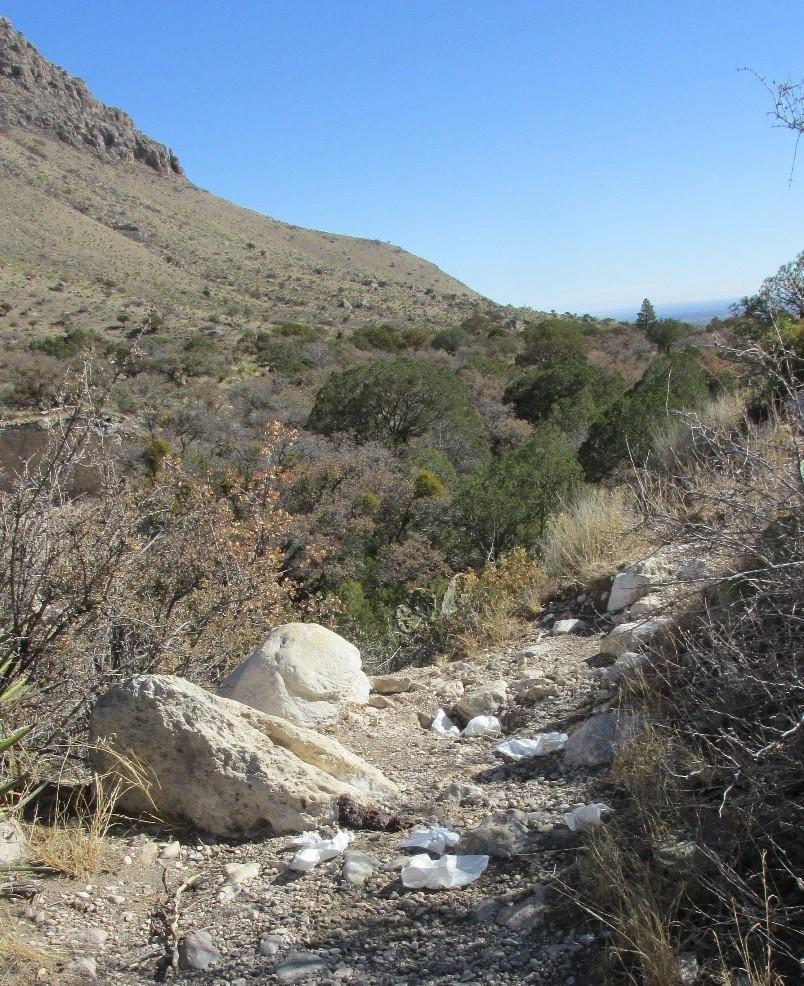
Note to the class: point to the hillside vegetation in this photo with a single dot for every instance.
(216, 423)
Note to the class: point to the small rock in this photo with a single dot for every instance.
(484, 701)
(594, 743)
(633, 636)
(464, 794)
(171, 851)
(300, 965)
(12, 843)
(96, 937)
(150, 852)
(358, 866)
(563, 627)
(271, 945)
(450, 691)
(84, 966)
(381, 702)
(390, 685)
(198, 951)
(238, 873)
(525, 915)
(503, 834)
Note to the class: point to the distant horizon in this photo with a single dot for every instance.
(668, 309)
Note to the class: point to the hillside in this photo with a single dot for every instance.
(98, 221)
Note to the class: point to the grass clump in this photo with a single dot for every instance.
(591, 537)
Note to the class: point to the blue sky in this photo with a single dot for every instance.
(568, 154)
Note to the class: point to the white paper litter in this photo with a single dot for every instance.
(315, 849)
(585, 816)
(443, 725)
(539, 746)
(444, 873)
(434, 838)
(482, 726)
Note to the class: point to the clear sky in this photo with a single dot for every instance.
(568, 154)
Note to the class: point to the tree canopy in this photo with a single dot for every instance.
(396, 401)
(569, 392)
(508, 502)
(550, 338)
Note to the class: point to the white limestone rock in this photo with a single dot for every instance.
(224, 767)
(303, 672)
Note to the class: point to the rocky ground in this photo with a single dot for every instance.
(262, 922)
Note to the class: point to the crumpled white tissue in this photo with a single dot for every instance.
(315, 849)
(482, 726)
(434, 838)
(443, 725)
(539, 746)
(444, 873)
(585, 816)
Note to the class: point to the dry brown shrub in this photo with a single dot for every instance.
(74, 843)
(19, 960)
(492, 603)
(708, 803)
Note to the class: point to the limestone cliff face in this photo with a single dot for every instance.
(35, 94)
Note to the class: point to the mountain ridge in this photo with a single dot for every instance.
(97, 216)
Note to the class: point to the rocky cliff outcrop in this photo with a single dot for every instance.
(35, 94)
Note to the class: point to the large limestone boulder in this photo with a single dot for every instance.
(303, 672)
(222, 766)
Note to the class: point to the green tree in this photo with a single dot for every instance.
(394, 402)
(667, 333)
(551, 338)
(508, 502)
(646, 316)
(569, 392)
(625, 430)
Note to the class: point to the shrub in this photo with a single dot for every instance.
(65, 346)
(567, 391)
(490, 602)
(427, 486)
(508, 502)
(549, 339)
(625, 430)
(383, 337)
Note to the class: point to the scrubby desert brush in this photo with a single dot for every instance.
(490, 602)
(710, 799)
(592, 536)
(176, 573)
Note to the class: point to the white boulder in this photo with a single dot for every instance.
(634, 582)
(224, 767)
(302, 672)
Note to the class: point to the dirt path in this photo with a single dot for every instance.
(501, 929)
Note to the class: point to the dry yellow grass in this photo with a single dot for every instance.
(20, 961)
(592, 537)
(75, 846)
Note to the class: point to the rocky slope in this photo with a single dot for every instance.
(96, 220)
